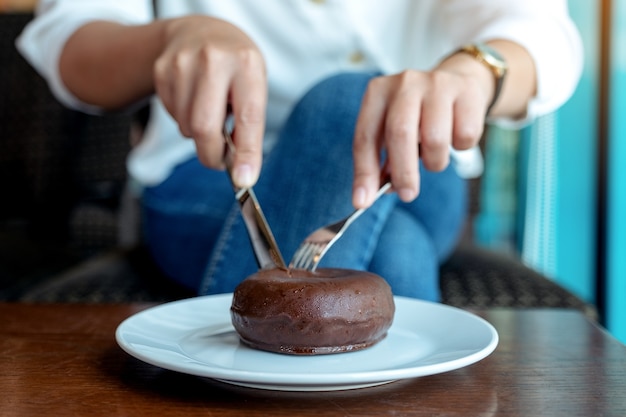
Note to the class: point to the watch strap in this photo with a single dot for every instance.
(493, 61)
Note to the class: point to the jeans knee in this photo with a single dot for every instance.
(349, 83)
(341, 87)
(326, 115)
(339, 95)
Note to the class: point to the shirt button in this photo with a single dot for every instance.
(356, 57)
(318, 1)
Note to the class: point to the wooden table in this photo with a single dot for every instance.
(62, 360)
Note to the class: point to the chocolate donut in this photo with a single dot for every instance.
(310, 313)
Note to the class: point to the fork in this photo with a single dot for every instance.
(314, 246)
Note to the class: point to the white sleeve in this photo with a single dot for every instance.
(543, 27)
(43, 39)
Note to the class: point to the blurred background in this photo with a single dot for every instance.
(553, 194)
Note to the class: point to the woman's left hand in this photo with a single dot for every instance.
(417, 115)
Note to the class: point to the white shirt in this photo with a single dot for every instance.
(304, 41)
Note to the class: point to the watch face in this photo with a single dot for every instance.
(492, 57)
(488, 50)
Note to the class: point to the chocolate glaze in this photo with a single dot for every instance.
(306, 313)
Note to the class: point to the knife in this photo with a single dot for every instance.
(264, 245)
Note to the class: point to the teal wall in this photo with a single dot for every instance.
(576, 166)
(616, 186)
(579, 141)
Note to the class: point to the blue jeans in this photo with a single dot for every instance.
(195, 232)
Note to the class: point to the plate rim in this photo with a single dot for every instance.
(312, 382)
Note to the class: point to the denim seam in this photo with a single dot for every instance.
(221, 245)
(382, 215)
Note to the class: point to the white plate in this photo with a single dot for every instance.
(195, 336)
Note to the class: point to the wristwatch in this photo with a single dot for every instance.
(493, 61)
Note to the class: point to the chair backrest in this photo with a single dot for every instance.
(53, 160)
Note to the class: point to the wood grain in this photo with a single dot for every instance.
(62, 360)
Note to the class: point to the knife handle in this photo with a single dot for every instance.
(264, 245)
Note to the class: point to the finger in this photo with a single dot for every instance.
(468, 122)
(163, 84)
(248, 101)
(185, 76)
(436, 130)
(207, 110)
(401, 139)
(174, 83)
(367, 143)
(177, 72)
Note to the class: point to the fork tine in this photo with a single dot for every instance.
(310, 254)
(314, 246)
(305, 255)
(297, 257)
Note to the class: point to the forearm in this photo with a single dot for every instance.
(111, 65)
(520, 83)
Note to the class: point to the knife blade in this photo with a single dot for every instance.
(264, 245)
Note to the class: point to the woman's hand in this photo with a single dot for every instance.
(420, 115)
(196, 64)
(416, 115)
(207, 64)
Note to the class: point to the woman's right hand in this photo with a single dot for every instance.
(207, 64)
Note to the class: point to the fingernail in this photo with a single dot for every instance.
(243, 176)
(360, 197)
(406, 194)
